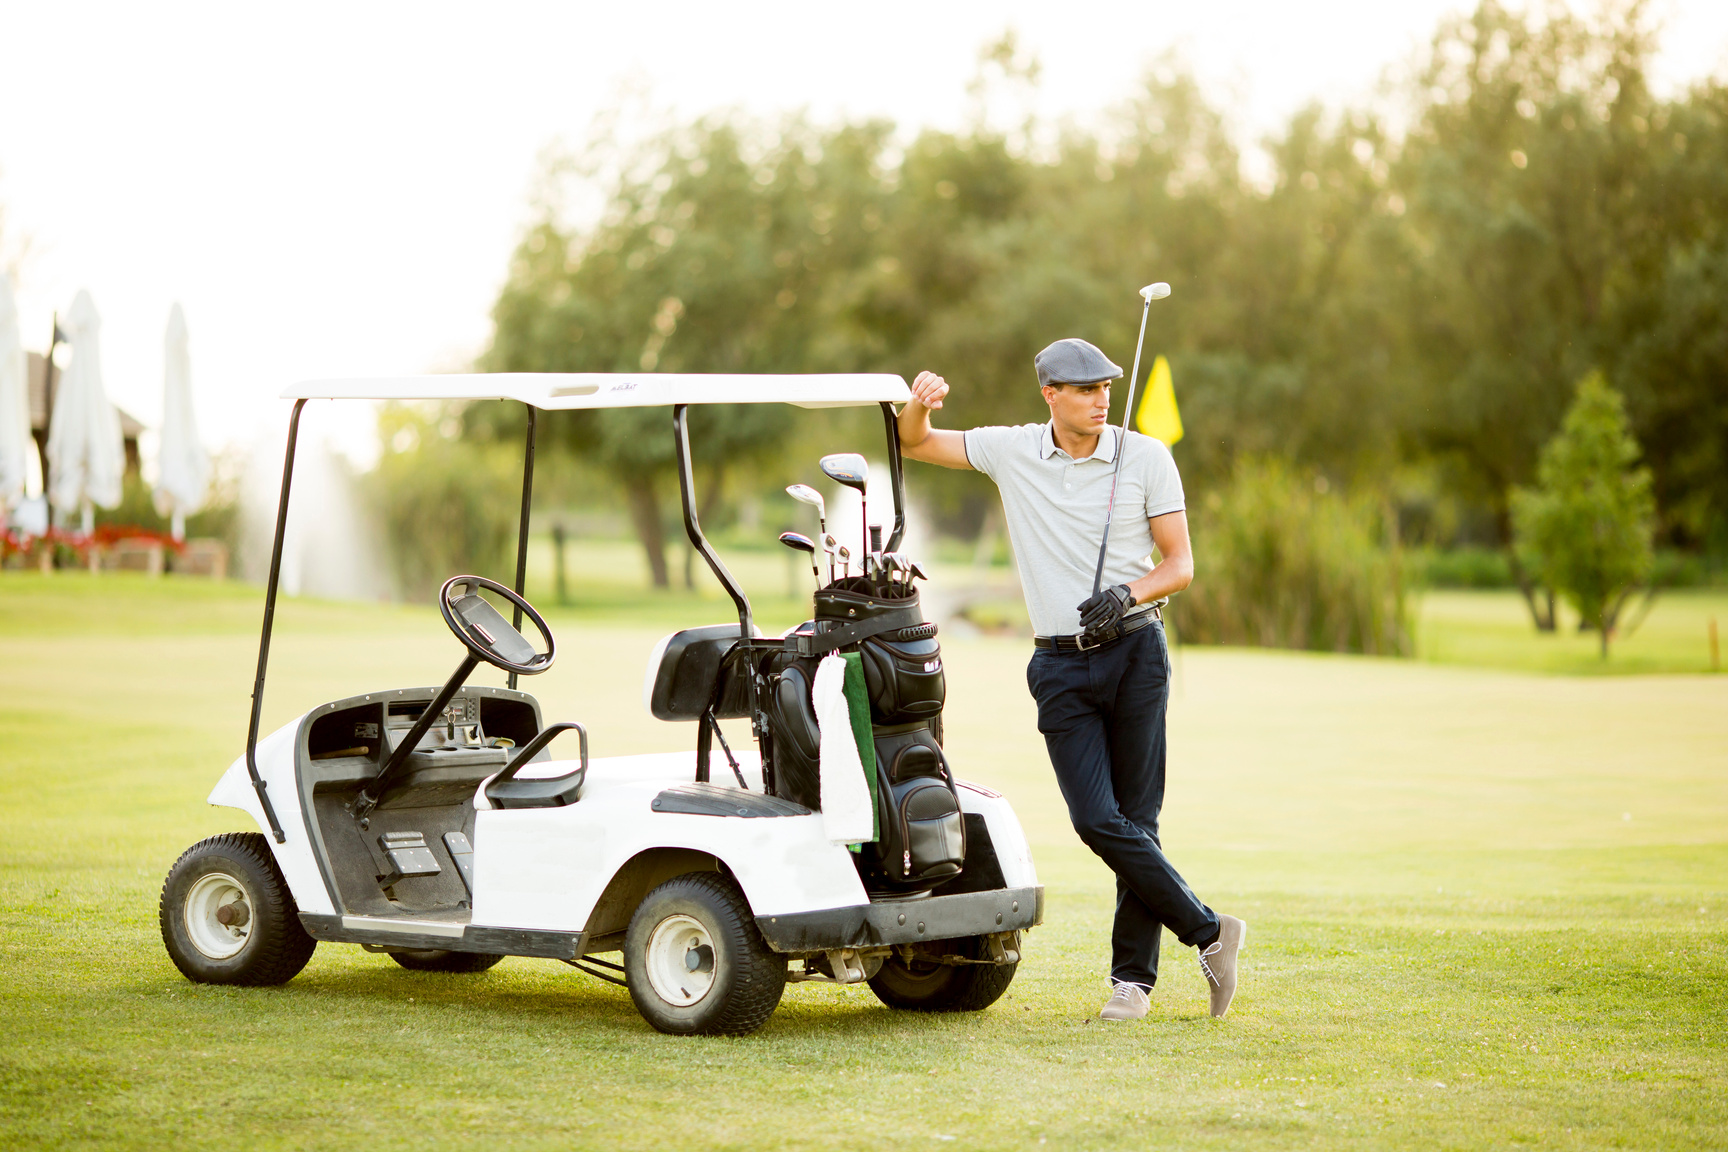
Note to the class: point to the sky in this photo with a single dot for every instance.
(335, 189)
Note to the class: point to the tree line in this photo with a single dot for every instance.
(1402, 308)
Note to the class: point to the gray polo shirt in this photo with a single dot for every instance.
(1055, 506)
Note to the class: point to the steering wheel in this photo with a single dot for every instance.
(486, 633)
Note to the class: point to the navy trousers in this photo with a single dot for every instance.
(1102, 715)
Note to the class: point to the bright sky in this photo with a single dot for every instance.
(334, 189)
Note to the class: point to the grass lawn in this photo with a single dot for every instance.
(1487, 908)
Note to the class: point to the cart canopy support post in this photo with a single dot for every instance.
(522, 529)
(258, 784)
(693, 529)
(896, 477)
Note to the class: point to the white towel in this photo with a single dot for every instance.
(846, 811)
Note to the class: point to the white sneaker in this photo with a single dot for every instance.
(1127, 1002)
(1218, 962)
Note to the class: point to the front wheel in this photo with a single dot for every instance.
(444, 960)
(695, 962)
(227, 916)
(924, 985)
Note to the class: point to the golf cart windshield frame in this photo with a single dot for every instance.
(592, 390)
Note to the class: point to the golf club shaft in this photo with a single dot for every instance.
(1121, 446)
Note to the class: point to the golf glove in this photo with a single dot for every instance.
(1105, 609)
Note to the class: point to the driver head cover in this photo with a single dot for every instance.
(1073, 361)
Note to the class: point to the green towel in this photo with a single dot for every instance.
(858, 707)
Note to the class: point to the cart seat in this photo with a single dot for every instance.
(696, 668)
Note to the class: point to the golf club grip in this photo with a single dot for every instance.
(1121, 451)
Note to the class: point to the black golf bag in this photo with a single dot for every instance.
(921, 838)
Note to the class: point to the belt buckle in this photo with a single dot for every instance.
(1080, 644)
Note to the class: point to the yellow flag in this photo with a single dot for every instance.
(1158, 417)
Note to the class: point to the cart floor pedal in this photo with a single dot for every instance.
(462, 855)
(408, 856)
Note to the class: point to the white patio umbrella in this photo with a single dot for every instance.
(184, 466)
(15, 445)
(86, 455)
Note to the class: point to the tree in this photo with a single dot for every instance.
(1586, 528)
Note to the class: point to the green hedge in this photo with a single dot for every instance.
(1282, 563)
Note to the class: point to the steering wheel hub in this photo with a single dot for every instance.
(485, 631)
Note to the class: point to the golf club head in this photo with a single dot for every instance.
(917, 572)
(846, 468)
(1154, 291)
(845, 554)
(805, 494)
(799, 541)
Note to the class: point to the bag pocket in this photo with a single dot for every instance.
(932, 832)
(904, 679)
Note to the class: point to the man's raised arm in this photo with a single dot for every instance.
(918, 440)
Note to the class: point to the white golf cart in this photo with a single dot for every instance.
(433, 824)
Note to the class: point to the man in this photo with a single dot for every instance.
(1100, 670)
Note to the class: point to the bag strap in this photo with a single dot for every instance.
(825, 642)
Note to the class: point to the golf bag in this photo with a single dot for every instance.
(921, 838)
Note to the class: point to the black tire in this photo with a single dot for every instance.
(926, 986)
(444, 960)
(745, 977)
(233, 873)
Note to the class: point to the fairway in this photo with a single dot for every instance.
(1487, 908)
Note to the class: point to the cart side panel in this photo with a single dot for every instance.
(545, 868)
(294, 854)
(1013, 854)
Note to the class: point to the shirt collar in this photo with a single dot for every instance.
(1106, 450)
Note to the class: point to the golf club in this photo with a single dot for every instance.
(846, 560)
(1148, 294)
(805, 494)
(802, 543)
(832, 547)
(849, 468)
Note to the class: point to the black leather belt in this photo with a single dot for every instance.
(1086, 641)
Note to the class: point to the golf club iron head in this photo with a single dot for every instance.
(831, 547)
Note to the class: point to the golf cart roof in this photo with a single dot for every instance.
(563, 390)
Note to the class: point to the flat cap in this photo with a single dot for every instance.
(1073, 361)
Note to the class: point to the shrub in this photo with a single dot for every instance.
(1467, 566)
(1280, 563)
(447, 505)
(1586, 527)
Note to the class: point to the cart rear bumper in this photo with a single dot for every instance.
(905, 921)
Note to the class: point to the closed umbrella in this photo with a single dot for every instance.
(86, 455)
(184, 465)
(15, 444)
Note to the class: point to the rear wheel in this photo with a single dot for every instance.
(924, 985)
(444, 960)
(227, 916)
(695, 962)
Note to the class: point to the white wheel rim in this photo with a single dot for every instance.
(212, 893)
(681, 960)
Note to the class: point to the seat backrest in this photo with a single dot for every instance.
(683, 672)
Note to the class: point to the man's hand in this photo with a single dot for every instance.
(918, 440)
(1105, 609)
(929, 389)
